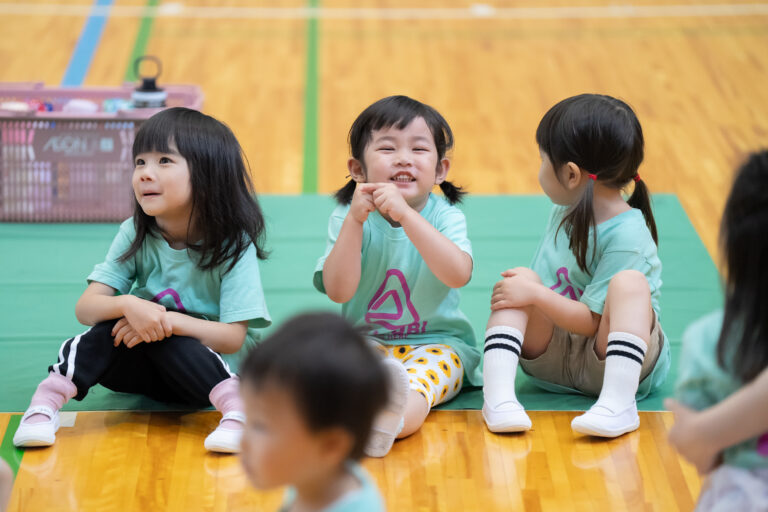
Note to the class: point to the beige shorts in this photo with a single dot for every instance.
(570, 360)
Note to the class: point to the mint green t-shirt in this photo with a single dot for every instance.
(364, 499)
(701, 383)
(172, 278)
(624, 242)
(399, 301)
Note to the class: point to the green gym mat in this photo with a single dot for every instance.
(43, 269)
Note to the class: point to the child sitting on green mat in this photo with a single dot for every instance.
(179, 292)
(585, 317)
(396, 256)
(311, 391)
(724, 362)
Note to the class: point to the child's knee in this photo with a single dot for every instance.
(416, 412)
(629, 282)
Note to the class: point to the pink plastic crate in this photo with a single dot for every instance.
(65, 167)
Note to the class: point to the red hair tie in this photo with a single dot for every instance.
(593, 177)
(637, 177)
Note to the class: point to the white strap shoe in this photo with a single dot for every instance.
(226, 440)
(507, 417)
(37, 434)
(603, 422)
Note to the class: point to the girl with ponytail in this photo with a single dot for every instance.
(585, 317)
(395, 258)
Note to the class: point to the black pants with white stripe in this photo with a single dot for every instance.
(177, 369)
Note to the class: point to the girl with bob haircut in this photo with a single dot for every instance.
(179, 294)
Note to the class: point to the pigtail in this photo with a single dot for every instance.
(641, 199)
(452, 193)
(578, 220)
(345, 193)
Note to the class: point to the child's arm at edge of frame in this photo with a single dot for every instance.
(739, 417)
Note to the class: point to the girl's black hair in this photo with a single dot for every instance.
(743, 345)
(325, 364)
(225, 211)
(601, 135)
(398, 111)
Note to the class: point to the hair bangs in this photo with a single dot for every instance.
(156, 135)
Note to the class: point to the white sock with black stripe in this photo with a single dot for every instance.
(502, 352)
(623, 361)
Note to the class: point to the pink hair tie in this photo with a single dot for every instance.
(593, 177)
(637, 177)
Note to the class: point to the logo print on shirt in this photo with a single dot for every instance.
(762, 445)
(568, 291)
(174, 295)
(394, 292)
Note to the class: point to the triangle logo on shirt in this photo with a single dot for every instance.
(391, 306)
(177, 305)
(564, 286)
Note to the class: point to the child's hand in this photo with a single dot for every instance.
(124, 332)
(514, 291)
(362, 202)
(389, 201)
(147, 318)
(685, 437)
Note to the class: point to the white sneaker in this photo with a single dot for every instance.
(507, 417)
(226, 440)
(37, 434)
(389, 422)
(603, 422)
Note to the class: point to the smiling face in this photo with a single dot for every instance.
(406, 157)
(162, 186)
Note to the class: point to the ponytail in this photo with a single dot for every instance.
(452, 193)
(641, 198)
(345, 193)
(578, 220)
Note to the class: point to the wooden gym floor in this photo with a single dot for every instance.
(290, 81)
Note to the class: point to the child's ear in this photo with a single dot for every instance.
(441, 173)
(336, 444)
(573, 176)
(356, 170)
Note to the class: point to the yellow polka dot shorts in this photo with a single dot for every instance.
(435, 371)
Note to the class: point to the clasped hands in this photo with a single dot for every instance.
(142, 321)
